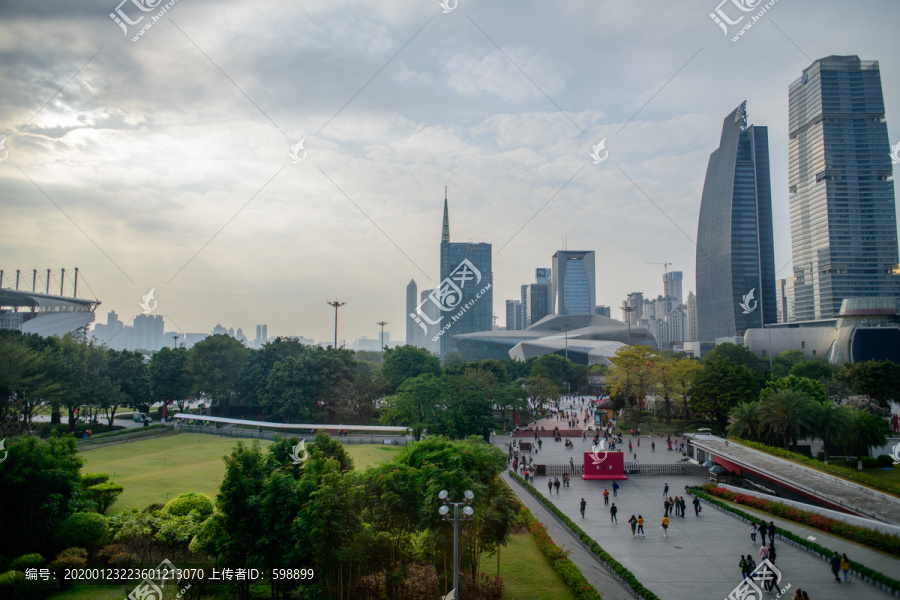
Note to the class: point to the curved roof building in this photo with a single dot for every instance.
(587, 339)
(45, 314)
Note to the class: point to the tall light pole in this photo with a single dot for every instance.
(468, 511)
(566, 325)
(381, 341)
(336, 306)
(175, 341)
(628, 310)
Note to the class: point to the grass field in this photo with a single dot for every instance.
(157, 470)
(526, 574)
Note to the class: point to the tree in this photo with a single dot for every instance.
(720, 385)
(683, 372)
(169, 380)
(254, 372)
(744, 420)
(830, 423)
(739, 355)
(815, 369)
(878, 379)
(105, 494)
(416, 403)
(633, 375)
(406, 362)
(815, 390)
(39, 479)
(863, 430)
(24, 384)
(213, 366)
(785, 413)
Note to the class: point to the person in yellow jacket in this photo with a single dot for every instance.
(845, 567)
(665, 525)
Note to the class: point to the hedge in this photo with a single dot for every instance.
(619, 569)
(559, 560)
(82, 530)
(860, 569)
(887, 542)
(183, 504)
(867, 479)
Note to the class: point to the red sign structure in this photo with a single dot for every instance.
(602, 464)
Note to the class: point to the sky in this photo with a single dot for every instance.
(171, 160)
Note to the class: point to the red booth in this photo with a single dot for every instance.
(602, 464)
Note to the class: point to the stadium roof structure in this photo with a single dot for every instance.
(384, 428)
(45, 314)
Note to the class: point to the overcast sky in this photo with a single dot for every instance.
(165, 162)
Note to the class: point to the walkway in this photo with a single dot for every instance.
(810, 482)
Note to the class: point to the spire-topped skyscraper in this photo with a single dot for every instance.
(445, 231)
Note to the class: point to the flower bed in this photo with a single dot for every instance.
(857, 533)
(843, 472)
(858, 568)
(624, 574)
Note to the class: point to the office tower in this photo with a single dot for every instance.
(672, 285)
(784, 290)
(635, 308)
(843, 216)
(543, 275)
(262, 335)
(535, 302)
(735, 248)
(573, 285)
(603, 311)
(692, 332)
(413, 331)
(148, 332)
(465, 296)
(515, 315)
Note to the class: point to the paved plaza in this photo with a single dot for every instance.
(699, 559)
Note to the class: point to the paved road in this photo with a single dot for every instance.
(699, 559)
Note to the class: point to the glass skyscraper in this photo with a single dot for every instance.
(735, 247)
(573, 283)
(843, 214)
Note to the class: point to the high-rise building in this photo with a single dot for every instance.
(784, 291)
(262, 335)
(573, 285)
(843, 214)
(465, 296)
(633, 307)
(148, 332)
(543, 275)
(735, 247)
(603, 311)
(515, 315)
(413, 331)
(672, 285)
(536, 303)
(692, 332)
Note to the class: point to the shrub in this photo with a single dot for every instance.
(70, 558)
(105, 494)
(182, 505)
(82, 530)
(421, 583)
(885, 460)
(27, 561)
(369, 587)
(117, 555)
(154, 506)
(484, 587)
(14, 585)
(89, 479)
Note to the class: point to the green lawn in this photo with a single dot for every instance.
(526, 573)
(157, 470)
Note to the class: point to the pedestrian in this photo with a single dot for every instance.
(572, 464)
(771, 532)
(639, 442)
(641, 525)
(606, 497)
(665, 525)
(615, 487)
(566, 479)
(556, 484)
(798, 595)
(743, 566)
(666, 506)
(633, 522)
(677, 506)
(583, 506)
(612, 514)
(772, 553)
(635, 457)
(763, 531)
(683, 506)
(835, 564)
(666, 490)
(540, 442)
(630, 449)
(845, 567)
(753, 533)
(652, 446)
(805, 595)
(763, 553)
(696, 504)
(550, 485)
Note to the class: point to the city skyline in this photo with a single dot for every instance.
(186, 176)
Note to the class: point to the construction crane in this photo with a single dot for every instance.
(664, 264)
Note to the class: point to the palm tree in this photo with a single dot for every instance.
(745, 420)
(863, 430)
(785, 414)
(829, 423)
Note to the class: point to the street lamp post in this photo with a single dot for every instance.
(468, 511)
(628, 310)
(381, 341)
(336, 306)
(566, 325)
